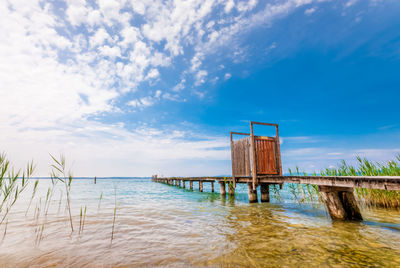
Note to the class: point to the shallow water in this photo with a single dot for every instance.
(161, 225)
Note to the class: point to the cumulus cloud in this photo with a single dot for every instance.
(65, 65)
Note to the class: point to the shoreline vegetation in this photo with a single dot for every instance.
(13, 183)
(368, 197)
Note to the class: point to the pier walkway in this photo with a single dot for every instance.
(256, 161)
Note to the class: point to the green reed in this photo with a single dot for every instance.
(115, 212)
(59, 172)
(10, 190)
(365, 167)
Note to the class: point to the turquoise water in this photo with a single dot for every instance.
(161, 225)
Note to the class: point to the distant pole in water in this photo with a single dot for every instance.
(94, 180)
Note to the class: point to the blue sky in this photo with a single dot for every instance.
(132, 88)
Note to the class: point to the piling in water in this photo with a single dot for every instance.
(252, 193)
(264, 192)
(222, 188)
(340, 203)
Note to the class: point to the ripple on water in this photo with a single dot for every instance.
(159, 225)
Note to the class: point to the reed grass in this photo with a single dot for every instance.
(365, 167)
(59, 172)
(10, 190)
(115, 212)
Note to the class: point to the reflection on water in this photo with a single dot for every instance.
(160, 225)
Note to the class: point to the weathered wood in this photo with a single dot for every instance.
(252, 193)
(278, 151)
(240, 155)
(340, 203)
(266, 155)
(253, 159)
(183, 184)
(264, 189)
(231, 189)
(212, 187)
(232, 161)
(222, 188)
(369, 182)
(200, 186)
(191, 185)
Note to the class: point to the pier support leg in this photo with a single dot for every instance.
(231, 189)
(191, 185)
(222, 189)
(212, 186)
(340, 203)
(252, 193)
(183, 184)
(200, 186)
(264, 192)
(179, 183)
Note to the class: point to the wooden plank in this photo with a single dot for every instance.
(278, 151)
(254, 158)
(370, 182)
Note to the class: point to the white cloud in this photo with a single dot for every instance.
(99, 37)
(153, 73)
(180, 86)
(200, 77)
(158, 94)
(227, 76)
(56, 79)
(229, 5)
(310, 11)
(76, 12)
(111, 52)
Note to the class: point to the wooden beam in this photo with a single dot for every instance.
(254, 158)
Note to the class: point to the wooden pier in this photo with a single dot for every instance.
(256, 161)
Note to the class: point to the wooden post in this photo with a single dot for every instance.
(278, 152)
(222, 189)
(232, 156)
(200, 186)
(212, 186)
(264, 192)
(340, 203)
(253, 158)
(183, 184)
(231, 189)
(252, 193)
(179, 183)
(191, 185)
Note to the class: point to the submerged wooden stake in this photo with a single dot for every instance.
(252, 193)
(222, 189)
(191, 185)
(200, 186)
(231, 189)
(264, 189)
(212, 186)
(340, 203)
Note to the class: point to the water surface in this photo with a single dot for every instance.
(161, 225)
